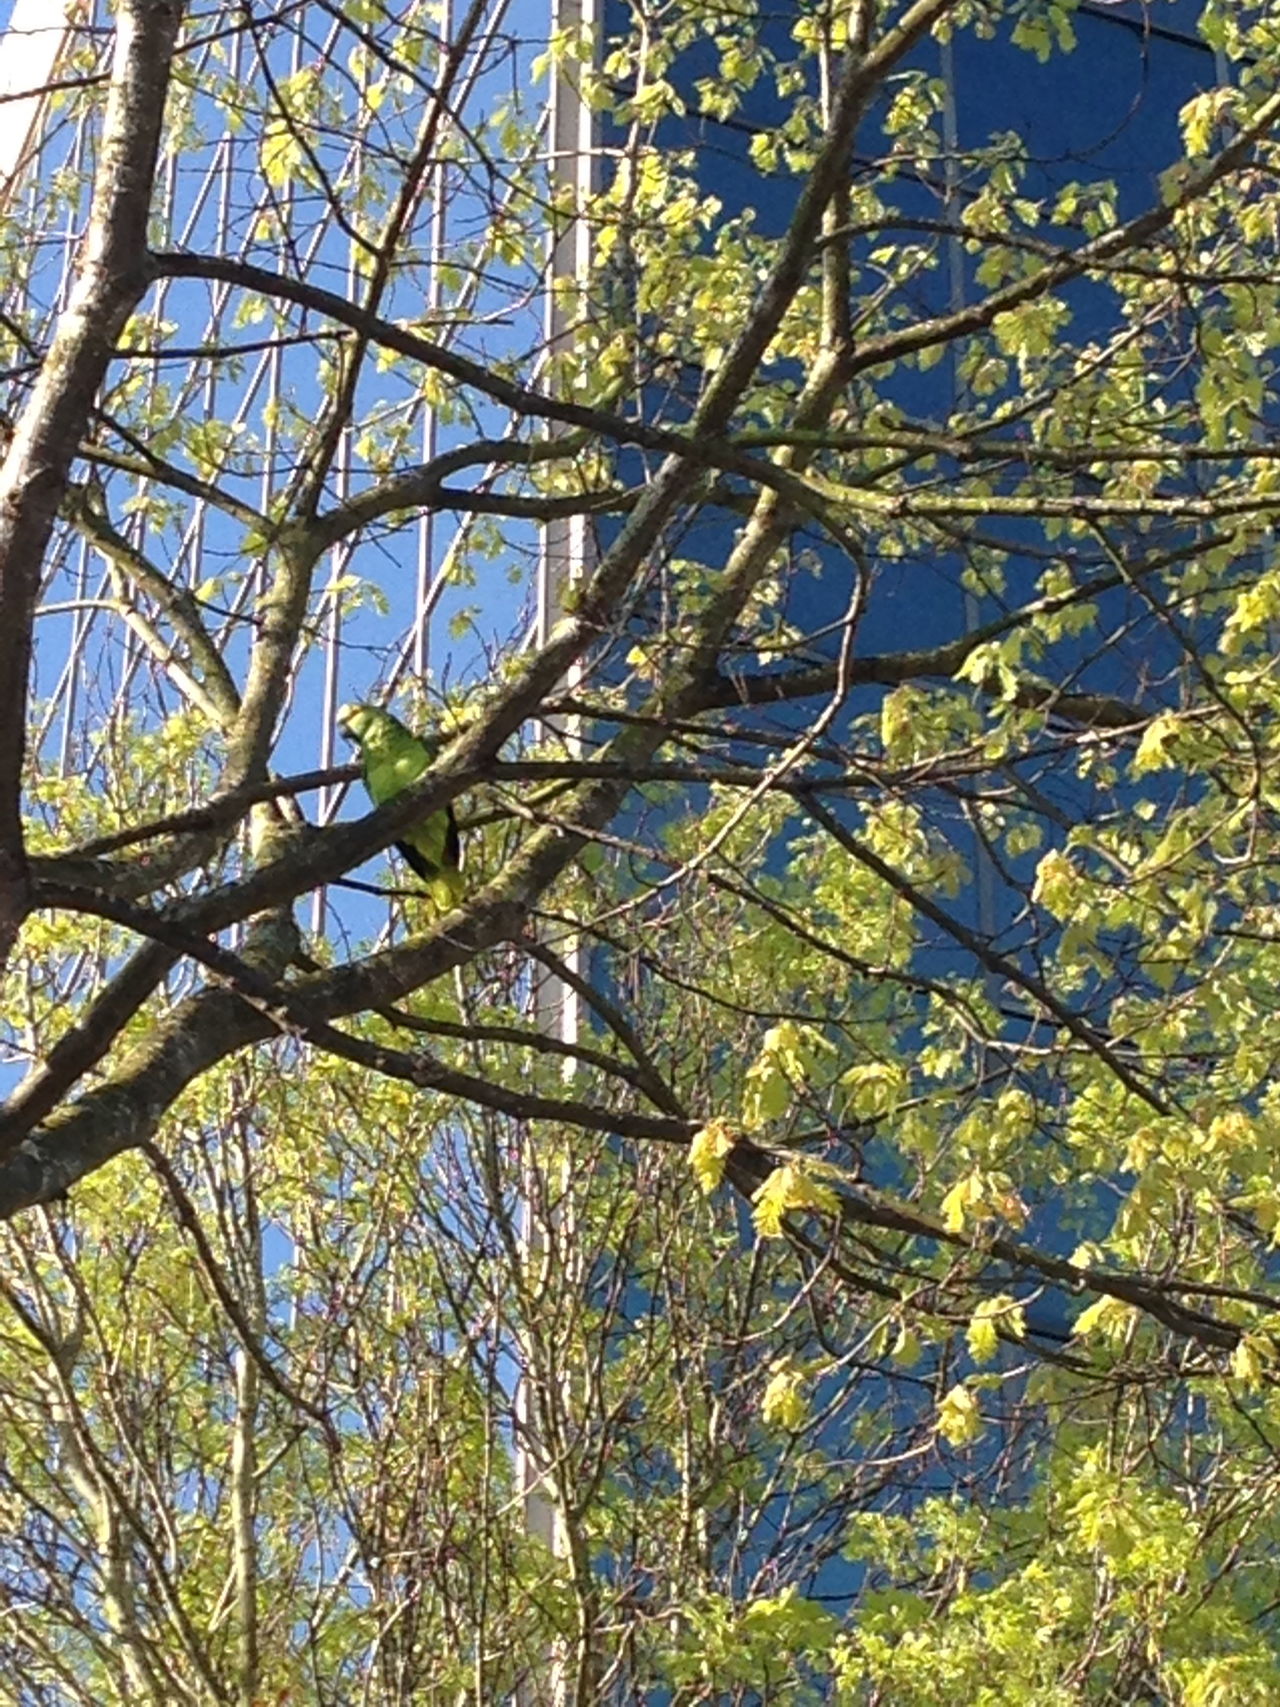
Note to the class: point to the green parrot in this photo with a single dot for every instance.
(394, 758)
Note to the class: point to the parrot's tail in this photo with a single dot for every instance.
(446, 888)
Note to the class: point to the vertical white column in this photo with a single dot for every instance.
(30, 49)
(566, 550)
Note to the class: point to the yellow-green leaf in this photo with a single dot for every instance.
(959, 1419)
(707, 1151)
(784, 1405)
(789, 1187)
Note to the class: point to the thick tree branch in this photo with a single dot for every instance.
(33, 477)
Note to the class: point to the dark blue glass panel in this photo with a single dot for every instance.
(1107, 110)
(1153, 19)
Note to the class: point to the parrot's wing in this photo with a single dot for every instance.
(428, 844)
(393, 764)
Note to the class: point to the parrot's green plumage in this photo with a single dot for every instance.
(394, 758)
